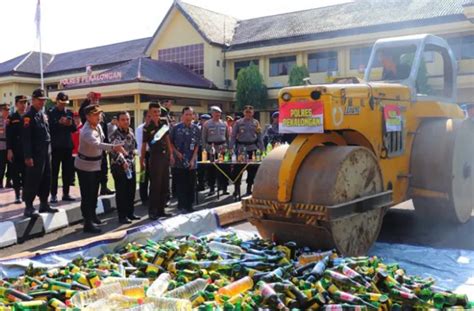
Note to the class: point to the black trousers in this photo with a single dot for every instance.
(17, 169)
(3, 165)
(104, 170)
(63, 158)
(89, 186)
(185, 183)
(159, 170)
(144, 186)
(38, 179)
(124, 192)
(251, 172)
(213, 175)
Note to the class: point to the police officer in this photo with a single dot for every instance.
(185, 139)
(3, 141)
(160, 158)
(14, 145)
(61, 126)
(37, 151)
(247, 136)
(215, 133)
(272, 134)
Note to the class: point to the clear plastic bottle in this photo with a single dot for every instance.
(128, 172)
(225, 248)
(159, 286)
(170, 304)
(82, 299)
(127, 282)
(186, 291)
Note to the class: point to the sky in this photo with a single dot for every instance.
(68, 25)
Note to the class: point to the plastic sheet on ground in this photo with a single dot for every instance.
(198, 223)
(451, 268)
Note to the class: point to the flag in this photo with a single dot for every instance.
(38, 19)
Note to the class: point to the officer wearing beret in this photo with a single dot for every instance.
(14, 145)
(156, 136)
(247, 136)
(37, 151)
(3, 140)
(61, 126)
(214, 132)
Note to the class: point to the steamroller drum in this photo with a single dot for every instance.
(328, 176)
(442, 159)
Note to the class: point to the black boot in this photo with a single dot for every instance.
(30, 211)
(45, 208)
(90, 227)
(249, 190)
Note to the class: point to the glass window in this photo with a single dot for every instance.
(243, 64)
(463, 47)
(191, 56)
(281, 66)
(322, 61)
(395, 62)
(360, 57)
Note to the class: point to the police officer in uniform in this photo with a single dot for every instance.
(215, 132)
(201, 171)
(37, 151)
(247, 135)
(61, 126)
(15, 146)
(160, 158)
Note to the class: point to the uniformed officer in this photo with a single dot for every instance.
(14, 145)
(185, 139)
(61, 126)
(215, 133)
(3, 140)
(156, 136)
(88, 165)
(247, 136)
(37, 151)
(272, 135)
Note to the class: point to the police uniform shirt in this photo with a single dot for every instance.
(3, 133)
(91, 146)
(185, 139)
(248, 133)
(61, 134)
(272, 135)
(14, 126)
(127, 139)
(214, 132)
(35, 134)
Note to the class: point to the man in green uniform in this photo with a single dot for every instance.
(156, 135)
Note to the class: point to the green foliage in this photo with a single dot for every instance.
(422, 85)
(250, 88)
(297, 74)
(48, 104)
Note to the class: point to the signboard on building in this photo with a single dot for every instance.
(92, 78)
(301, 117)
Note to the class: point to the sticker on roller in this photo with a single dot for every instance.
(301, 117)
(392, 118)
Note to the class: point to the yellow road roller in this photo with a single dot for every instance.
(366, 145)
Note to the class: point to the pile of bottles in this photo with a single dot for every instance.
(223, 272)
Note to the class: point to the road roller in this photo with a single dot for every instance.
(364, 145)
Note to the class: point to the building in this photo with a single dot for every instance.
(195, 54)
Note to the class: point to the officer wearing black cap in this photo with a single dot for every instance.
(15, 147)
(36, 147)
(3, 140)
(61, 126)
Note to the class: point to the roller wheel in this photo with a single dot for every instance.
(442, 166)
(328, 176)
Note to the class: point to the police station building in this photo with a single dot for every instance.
(195, 54)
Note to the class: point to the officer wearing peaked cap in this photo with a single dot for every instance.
(37, 152)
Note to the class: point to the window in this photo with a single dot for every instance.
(191, 56)
(463, 47)
(281, 66)
(360, 57)
(395, 62)
(322, 61)
(243, 64)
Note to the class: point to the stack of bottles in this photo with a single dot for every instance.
(223, 272)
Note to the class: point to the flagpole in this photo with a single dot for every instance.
(38, 35)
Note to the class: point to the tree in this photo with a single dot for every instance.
(250, 88)
(297, 74)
